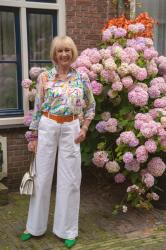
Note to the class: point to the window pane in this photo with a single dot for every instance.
(8, 85)
(159, 14)
(40, 35)
(42, 1)
(7, 36)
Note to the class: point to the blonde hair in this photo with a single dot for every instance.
(60, 41)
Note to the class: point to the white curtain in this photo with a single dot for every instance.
(157, 10)
(40, 35)
(8, 71)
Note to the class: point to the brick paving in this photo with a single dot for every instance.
(99, 229)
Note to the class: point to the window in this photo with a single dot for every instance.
(157, 12)
(42, 27)
(26, 30)
(10, 62)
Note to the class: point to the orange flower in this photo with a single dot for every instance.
(143, 18)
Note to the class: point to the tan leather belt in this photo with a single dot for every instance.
(60, 119)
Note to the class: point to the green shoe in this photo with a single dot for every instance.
(70, 243)
(25, 236)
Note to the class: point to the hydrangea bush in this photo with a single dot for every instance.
(127, 138)
(30, 85)
(128, 135)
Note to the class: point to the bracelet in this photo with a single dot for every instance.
(84, 127)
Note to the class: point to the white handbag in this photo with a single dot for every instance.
(27, 183)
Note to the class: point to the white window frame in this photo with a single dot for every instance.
(132, 9)
(61, 30)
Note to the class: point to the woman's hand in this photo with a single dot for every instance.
(32, 146)
(81, 137)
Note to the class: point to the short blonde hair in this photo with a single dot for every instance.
(60, 41)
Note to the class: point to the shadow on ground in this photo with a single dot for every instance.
(99, 229)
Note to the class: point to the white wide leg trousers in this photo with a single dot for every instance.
(53, 135)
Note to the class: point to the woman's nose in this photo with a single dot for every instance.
(64, 53)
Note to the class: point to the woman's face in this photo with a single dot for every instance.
(63, 56)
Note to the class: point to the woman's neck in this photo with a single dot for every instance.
(63, 70)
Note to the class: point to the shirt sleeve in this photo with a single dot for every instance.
(39, 99)
(90, 104)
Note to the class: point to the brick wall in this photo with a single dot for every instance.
(17, 156)
(86, 18)
(84, 21)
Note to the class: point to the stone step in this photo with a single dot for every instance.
(3, 194)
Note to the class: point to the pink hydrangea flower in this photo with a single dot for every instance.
(93, 54)
(100, 127)
(129, 138)
(149, 129)
(152, 196)
(83, 61)
(148, 179)
(154, 92)
(124, 69)
(92, 75)
(160, 102)
(26, 83)
(100, 158)
(30, 136)
(112, 167)
(156, 166)
(120, 32)
(132, 54)
(127, 157)
(127, 81)
(106, 35)
(151, 146)
(111, 125)
(28, 118)
(106, 75)
(35, 72)
(141, 74)
(117, 86)
(138, 97)
(141, 154)
(152, 68)
(149, 53)
(136, 28)
(97, 67)
(96, 87)
(119, 178)
(105, 53)
(109, 64)
(134, 166)
(160, 83)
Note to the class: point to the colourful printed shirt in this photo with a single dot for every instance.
(62, 98)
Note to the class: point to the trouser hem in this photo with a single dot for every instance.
(34, 233)
(65, 236)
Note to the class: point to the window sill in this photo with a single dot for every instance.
(11, 122)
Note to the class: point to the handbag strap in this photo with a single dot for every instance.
(32, 169)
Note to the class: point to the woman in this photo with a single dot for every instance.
(61, 96)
